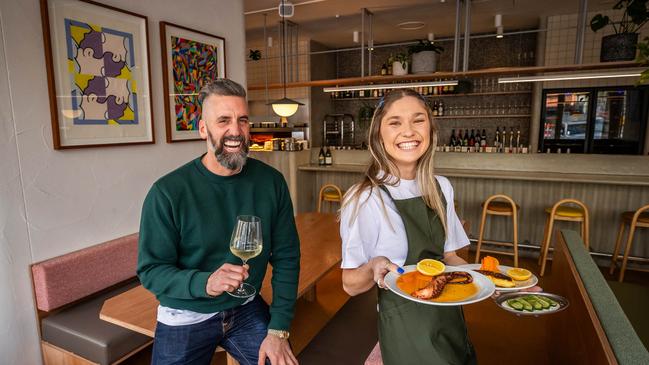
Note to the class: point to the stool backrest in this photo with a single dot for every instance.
(643, 209)
(323, 190)
(502, 197)
(582, 206)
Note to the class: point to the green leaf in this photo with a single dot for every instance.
(598, 22)
(637, 10)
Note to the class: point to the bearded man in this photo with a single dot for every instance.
(184, 254)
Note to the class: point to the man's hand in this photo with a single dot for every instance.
(226, 278)
(277, 351)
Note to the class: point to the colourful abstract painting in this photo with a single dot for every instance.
(194, 64)
(100, 66)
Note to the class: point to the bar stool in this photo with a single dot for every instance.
(329, 193)
(495, 205)
(639, 218)
(561, 213)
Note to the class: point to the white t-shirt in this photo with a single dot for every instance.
(370, 235)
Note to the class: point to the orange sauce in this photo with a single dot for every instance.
(414, 281)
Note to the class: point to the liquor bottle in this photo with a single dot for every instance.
(497, 139)
(511, 139)
(384, 70)
(472, 139)
(465, 140)
(328, 157)
(458, 141)
(440, 108)
(503, 140)
(321, 157)
(453, 139)
(375, 93)
(435, 112)
(483, 139)
(361, 93)
(518, 139)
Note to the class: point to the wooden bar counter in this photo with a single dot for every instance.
(607, 184)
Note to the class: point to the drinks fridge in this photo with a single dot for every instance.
(607, 120)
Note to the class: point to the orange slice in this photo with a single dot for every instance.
(430, 267)
(519, 274)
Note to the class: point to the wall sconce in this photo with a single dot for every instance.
(355, 36)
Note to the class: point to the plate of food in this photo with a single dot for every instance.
(506, 278)
(532, 304)
(443, 285)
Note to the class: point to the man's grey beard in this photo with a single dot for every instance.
(231, 161)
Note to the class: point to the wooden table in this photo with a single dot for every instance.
(320, 247)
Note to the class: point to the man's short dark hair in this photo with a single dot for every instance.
(221, 87)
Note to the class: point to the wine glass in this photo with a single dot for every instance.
(246, 243)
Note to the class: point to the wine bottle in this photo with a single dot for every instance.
(453, 141)
(472, 139)
(328, 157)
(321, 157)
(483, 139)
(440, 108)
(511, 138)
(497, 139)
(465, 140)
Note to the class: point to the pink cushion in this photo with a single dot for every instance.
(70, 277)
(375, 356)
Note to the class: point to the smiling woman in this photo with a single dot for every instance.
(398, 215)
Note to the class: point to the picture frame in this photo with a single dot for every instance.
(99, 79)
(190, 58)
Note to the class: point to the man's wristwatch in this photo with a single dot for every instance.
(281, 334)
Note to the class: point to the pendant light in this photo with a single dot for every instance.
(284, 107)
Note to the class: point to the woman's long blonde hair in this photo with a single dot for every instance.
(382, 162)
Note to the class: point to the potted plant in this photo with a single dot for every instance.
(400, 64)
(621, 46)
(424, 56)
(643, 58)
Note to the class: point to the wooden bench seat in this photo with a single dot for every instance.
(70, 291)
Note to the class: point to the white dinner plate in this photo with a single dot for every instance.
(485, 286)
(519, 285)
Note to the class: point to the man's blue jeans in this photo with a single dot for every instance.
(239, 331)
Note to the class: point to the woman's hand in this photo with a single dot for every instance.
(381, 265)
(363, 278)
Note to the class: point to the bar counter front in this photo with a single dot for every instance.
(607, 184)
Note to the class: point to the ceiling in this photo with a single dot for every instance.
(332, 22)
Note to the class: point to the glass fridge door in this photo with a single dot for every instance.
(565, 121)
(619, 121)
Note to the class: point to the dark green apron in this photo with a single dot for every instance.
(412, 333)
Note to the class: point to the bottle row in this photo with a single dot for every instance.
(379, 93)
(478, 141)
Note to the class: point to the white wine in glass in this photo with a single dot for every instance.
(246, 243)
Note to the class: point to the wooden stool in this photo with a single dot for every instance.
(639, 218)
(329, 193)
(505, 208)
(560, 213)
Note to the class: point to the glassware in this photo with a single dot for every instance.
(246, 243)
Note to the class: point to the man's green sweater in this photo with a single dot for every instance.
(187, 221)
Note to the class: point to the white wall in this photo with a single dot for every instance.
(55, 202)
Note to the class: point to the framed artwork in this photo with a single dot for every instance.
(97, 60)
(190, 59)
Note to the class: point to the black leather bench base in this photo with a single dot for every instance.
(79, 330)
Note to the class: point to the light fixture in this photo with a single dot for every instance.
(390, 86)
(411, 25)
(355, 36)
(431, 37)
(570, 76)
(284, 107)
(498, 23)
